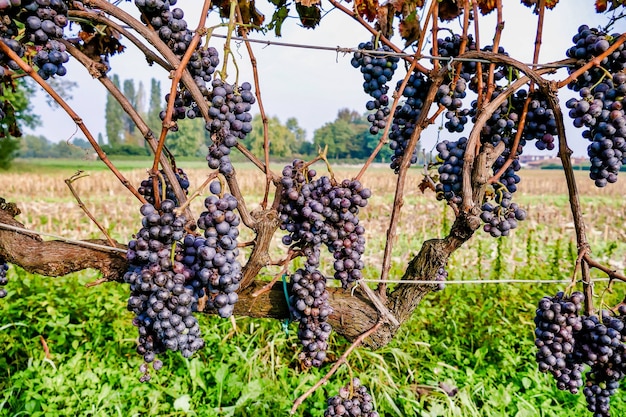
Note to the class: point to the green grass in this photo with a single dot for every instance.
(476, 338)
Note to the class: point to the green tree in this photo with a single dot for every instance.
(32, 146)
(299, 134)
(15, 99)
(190, 138)
(155, 106)
(282, 139)
(114, 117)
(132, 136)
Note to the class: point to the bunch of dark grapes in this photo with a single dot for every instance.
(146, 188)
(501, 215)
(601, 110)
(600, 344)
(590, 43)
(4, 59)
(405, 116)
(557, 320)
(218, 269)
(50, 59)
(599, 387)
(43, 20)
(169, 23)
(452, 99)
(160, 297)
(184, 107)
(540, 123)
(315, 211)
(450, 184)
(4, 267)
(230, 120)
(377, 69)
(566, 341)
(352, 400)
(309, 305)
(450, 46)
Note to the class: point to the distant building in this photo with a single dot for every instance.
(537, 161)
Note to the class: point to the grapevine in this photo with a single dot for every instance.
(489, 107)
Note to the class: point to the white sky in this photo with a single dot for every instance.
(312, 85)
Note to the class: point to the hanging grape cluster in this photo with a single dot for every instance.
(352, 400)
(405, 117)
(146, 188)
(228, 105)
(315, 211)
(230, 121)
(4, 267)
(567, 340)
(161, 298)
(600, 109)
(377, 69)
(44, 23)
(217, 269)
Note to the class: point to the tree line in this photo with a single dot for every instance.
(346, 137)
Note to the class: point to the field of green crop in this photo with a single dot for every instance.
(68, 350)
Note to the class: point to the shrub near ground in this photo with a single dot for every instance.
(69, 350)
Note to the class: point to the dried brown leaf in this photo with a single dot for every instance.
(385, 20)
(308, 3)
(486, 6)
(449, 10)
(367, 9)
(410, 29)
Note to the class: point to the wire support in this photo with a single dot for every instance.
(346, 50)
(480, 281)
(61, 238)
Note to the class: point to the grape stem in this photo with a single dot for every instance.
(592, 63)
(496, 44)
(384, 138)
(70, 112)
(147, 133)
(181, 67)
(335, 366)
(375, 32)
(264, 120)
(398, 200)
(539, 35)
(69, 182)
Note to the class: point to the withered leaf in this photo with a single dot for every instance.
(309, 16)
(367, 9)
(410, 29)
(385, 20)
(250, 14)
(308, 3)
(486, 6)
(449, 9)
(601, 5)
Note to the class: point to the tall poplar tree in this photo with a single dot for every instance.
(113, 116)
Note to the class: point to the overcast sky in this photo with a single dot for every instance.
(311, 85)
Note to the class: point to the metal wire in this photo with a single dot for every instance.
(345, 50)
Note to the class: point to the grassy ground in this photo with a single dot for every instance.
(475, 338)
